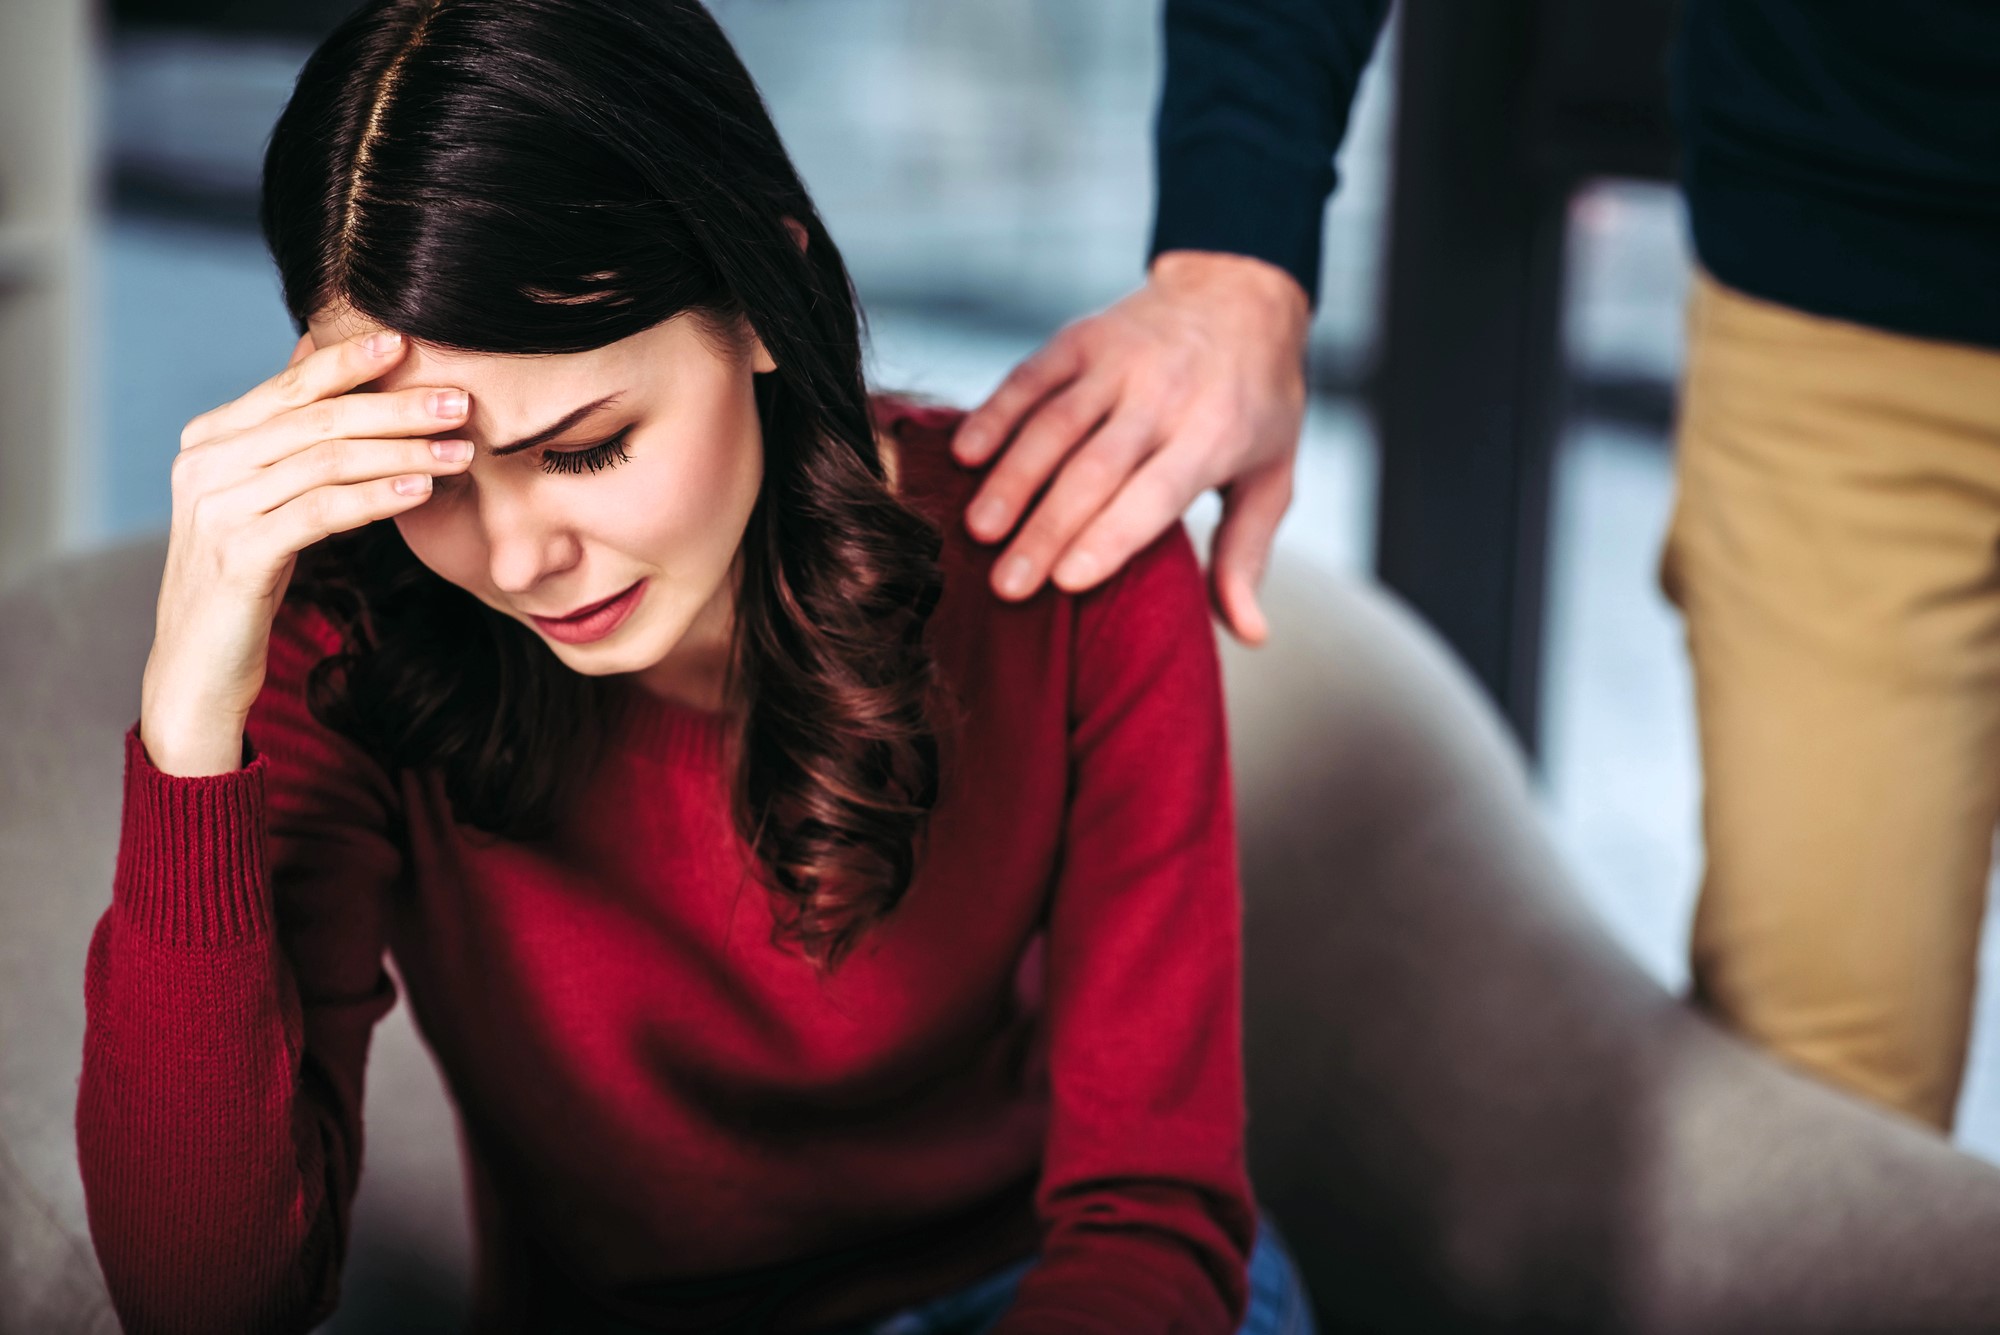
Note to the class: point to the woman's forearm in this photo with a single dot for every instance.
(216, 1178)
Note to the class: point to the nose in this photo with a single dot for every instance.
(524, 546)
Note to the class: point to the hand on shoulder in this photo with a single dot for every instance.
(1196, 380)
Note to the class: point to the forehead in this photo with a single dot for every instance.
(508, 380)
(488, 376)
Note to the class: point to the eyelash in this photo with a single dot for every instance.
(605, 454)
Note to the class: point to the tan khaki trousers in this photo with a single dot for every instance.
(1835, 551)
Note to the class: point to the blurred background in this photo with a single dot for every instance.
(987, 169)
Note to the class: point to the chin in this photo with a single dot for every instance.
(633, 648)
(602, 660)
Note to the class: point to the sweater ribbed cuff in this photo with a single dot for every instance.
(190, 868)
(1217, 192)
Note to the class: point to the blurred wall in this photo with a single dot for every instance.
(49, 497)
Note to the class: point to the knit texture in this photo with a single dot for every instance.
(672, 1121)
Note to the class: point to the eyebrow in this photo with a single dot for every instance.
(556, 428)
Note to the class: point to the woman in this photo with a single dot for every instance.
(808, 940)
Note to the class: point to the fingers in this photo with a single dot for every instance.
(406, 412)
(989, 425)
(300, 350)
(1089, 479)
(331, 370)
(1054, 429)
(324, 511)
(345, 461)
(1251, 511)
(1149, 500)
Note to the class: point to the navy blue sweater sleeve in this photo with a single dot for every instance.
(1255, 104)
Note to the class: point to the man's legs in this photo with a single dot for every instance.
(1835, 550)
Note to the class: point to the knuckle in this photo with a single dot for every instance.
(1061, 423)
(1070, 417)
(1179, 487)
(208, 513)
(331, 460)
(1017, 474)
(1000, 491)
(1152, 495)
(321, 418)
(313, 510)
(1031, 368)
(1060, 354)
(181, 473)
(196, 431)
(1045, 514)
(1032, 541)
(1093, 471)
(1238, 437)
(1070, 340)
(1160, 376)
(187, 476)
(1049, 529)
(1022, 386)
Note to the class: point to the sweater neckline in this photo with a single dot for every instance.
(667, 729)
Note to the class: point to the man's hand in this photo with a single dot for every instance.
(1196, 380)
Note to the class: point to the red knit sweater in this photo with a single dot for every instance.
(668, 1118)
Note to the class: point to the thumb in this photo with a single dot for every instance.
(1251, 509)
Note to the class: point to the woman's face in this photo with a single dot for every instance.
(560, 525)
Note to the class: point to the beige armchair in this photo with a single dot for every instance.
(1470, 1110)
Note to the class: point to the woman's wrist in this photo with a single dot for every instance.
(190, 742)
(195, 757)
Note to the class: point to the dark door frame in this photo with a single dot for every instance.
(1503, 108)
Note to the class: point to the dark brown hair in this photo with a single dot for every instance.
(546, 176)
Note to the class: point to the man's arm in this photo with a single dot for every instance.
(1254, 107)
(1197, 379)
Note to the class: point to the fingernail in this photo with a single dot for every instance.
(448, 403)
(1014, 575)
(413, 486)
(1078, 568)
(986, 517)
(452, 451)
(962, 445)
(381, 345)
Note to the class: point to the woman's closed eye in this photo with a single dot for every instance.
(605, 454)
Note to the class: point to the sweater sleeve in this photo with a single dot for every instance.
(231, 989)
(1254, 106)
(1145, 1201)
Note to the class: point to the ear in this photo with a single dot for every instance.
(760, 358)
(798, 231)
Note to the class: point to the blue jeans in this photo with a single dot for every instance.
(1278, 1304)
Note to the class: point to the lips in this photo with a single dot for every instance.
(585, 611)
